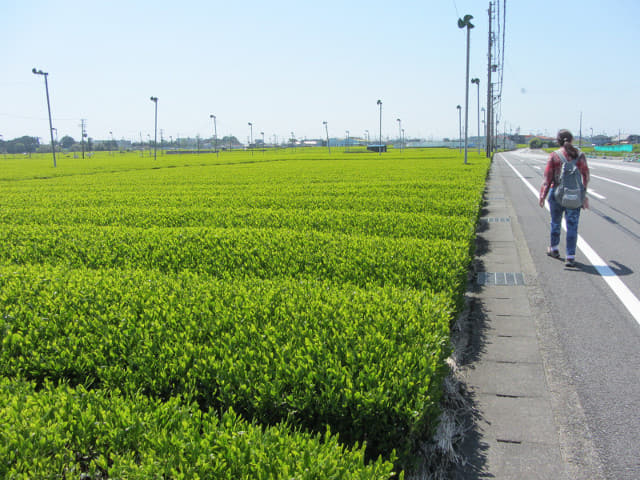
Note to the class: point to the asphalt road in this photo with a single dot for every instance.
(594, 308)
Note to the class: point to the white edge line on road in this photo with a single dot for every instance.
(597, 195)
(613, 181)
(628, 299)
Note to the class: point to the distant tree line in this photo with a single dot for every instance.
(20, 145)
(67, 143)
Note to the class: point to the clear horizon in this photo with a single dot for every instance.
(287, 67)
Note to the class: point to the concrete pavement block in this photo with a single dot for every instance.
(508, 325)
(505, 300)
(513, 379)
(522, 419)
(512, 350)
(496, 232)
(530, 461)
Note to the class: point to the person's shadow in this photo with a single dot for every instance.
(618, 269)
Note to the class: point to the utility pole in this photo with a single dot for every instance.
(379, 102)
(489, 123)
(155, 128)
(477, 82)
(466, 23)
(215, 133)
(46, 87)
(83, 126)
(459, 128)
(326, 129)
(580, 141)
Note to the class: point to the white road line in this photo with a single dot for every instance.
(628, 299)
(613, 166)
(616, 182)
(597, 195)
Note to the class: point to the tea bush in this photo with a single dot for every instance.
(304, 292)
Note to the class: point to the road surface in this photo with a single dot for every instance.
(594, 308)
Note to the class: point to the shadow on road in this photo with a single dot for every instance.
(616, 269)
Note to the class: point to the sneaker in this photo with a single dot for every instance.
(570, 262)
(553, 253)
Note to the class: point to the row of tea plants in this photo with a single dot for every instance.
(241, 316)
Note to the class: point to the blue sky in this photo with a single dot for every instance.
(286, 66)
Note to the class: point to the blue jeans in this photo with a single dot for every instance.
(571, 216)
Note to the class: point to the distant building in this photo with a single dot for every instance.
(625, 139)
(600, 140)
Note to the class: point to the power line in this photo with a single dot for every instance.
(497, 39)
(501, 32)
(25, 117)
(456, 7)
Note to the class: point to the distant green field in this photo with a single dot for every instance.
(182, 316)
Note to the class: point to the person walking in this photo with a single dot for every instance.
(551, 180)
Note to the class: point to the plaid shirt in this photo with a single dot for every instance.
(552, 172)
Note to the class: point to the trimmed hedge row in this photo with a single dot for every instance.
(439, 265)
(367, 362)
(304, 295)
(381, 223)
(64, 432)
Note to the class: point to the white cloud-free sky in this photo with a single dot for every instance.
(288, 65)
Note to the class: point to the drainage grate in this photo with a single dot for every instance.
(495, 219)
(500, 278)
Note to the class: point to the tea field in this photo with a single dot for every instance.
(278, 314)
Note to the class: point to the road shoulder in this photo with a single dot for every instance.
(527, 419)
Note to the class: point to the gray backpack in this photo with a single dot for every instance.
(570, 192)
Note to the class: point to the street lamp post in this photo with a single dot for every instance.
(459, 127)
(347, 142)
(462, 23)
(262, 133)
(580, 134)
(326, 129)
(380, 146)
(155, 127)
(400, 132)
(477, 82)
(56, 137)
(366, 133)
(484, 121)
(251, 136)
(46, 87)
(215, 133)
